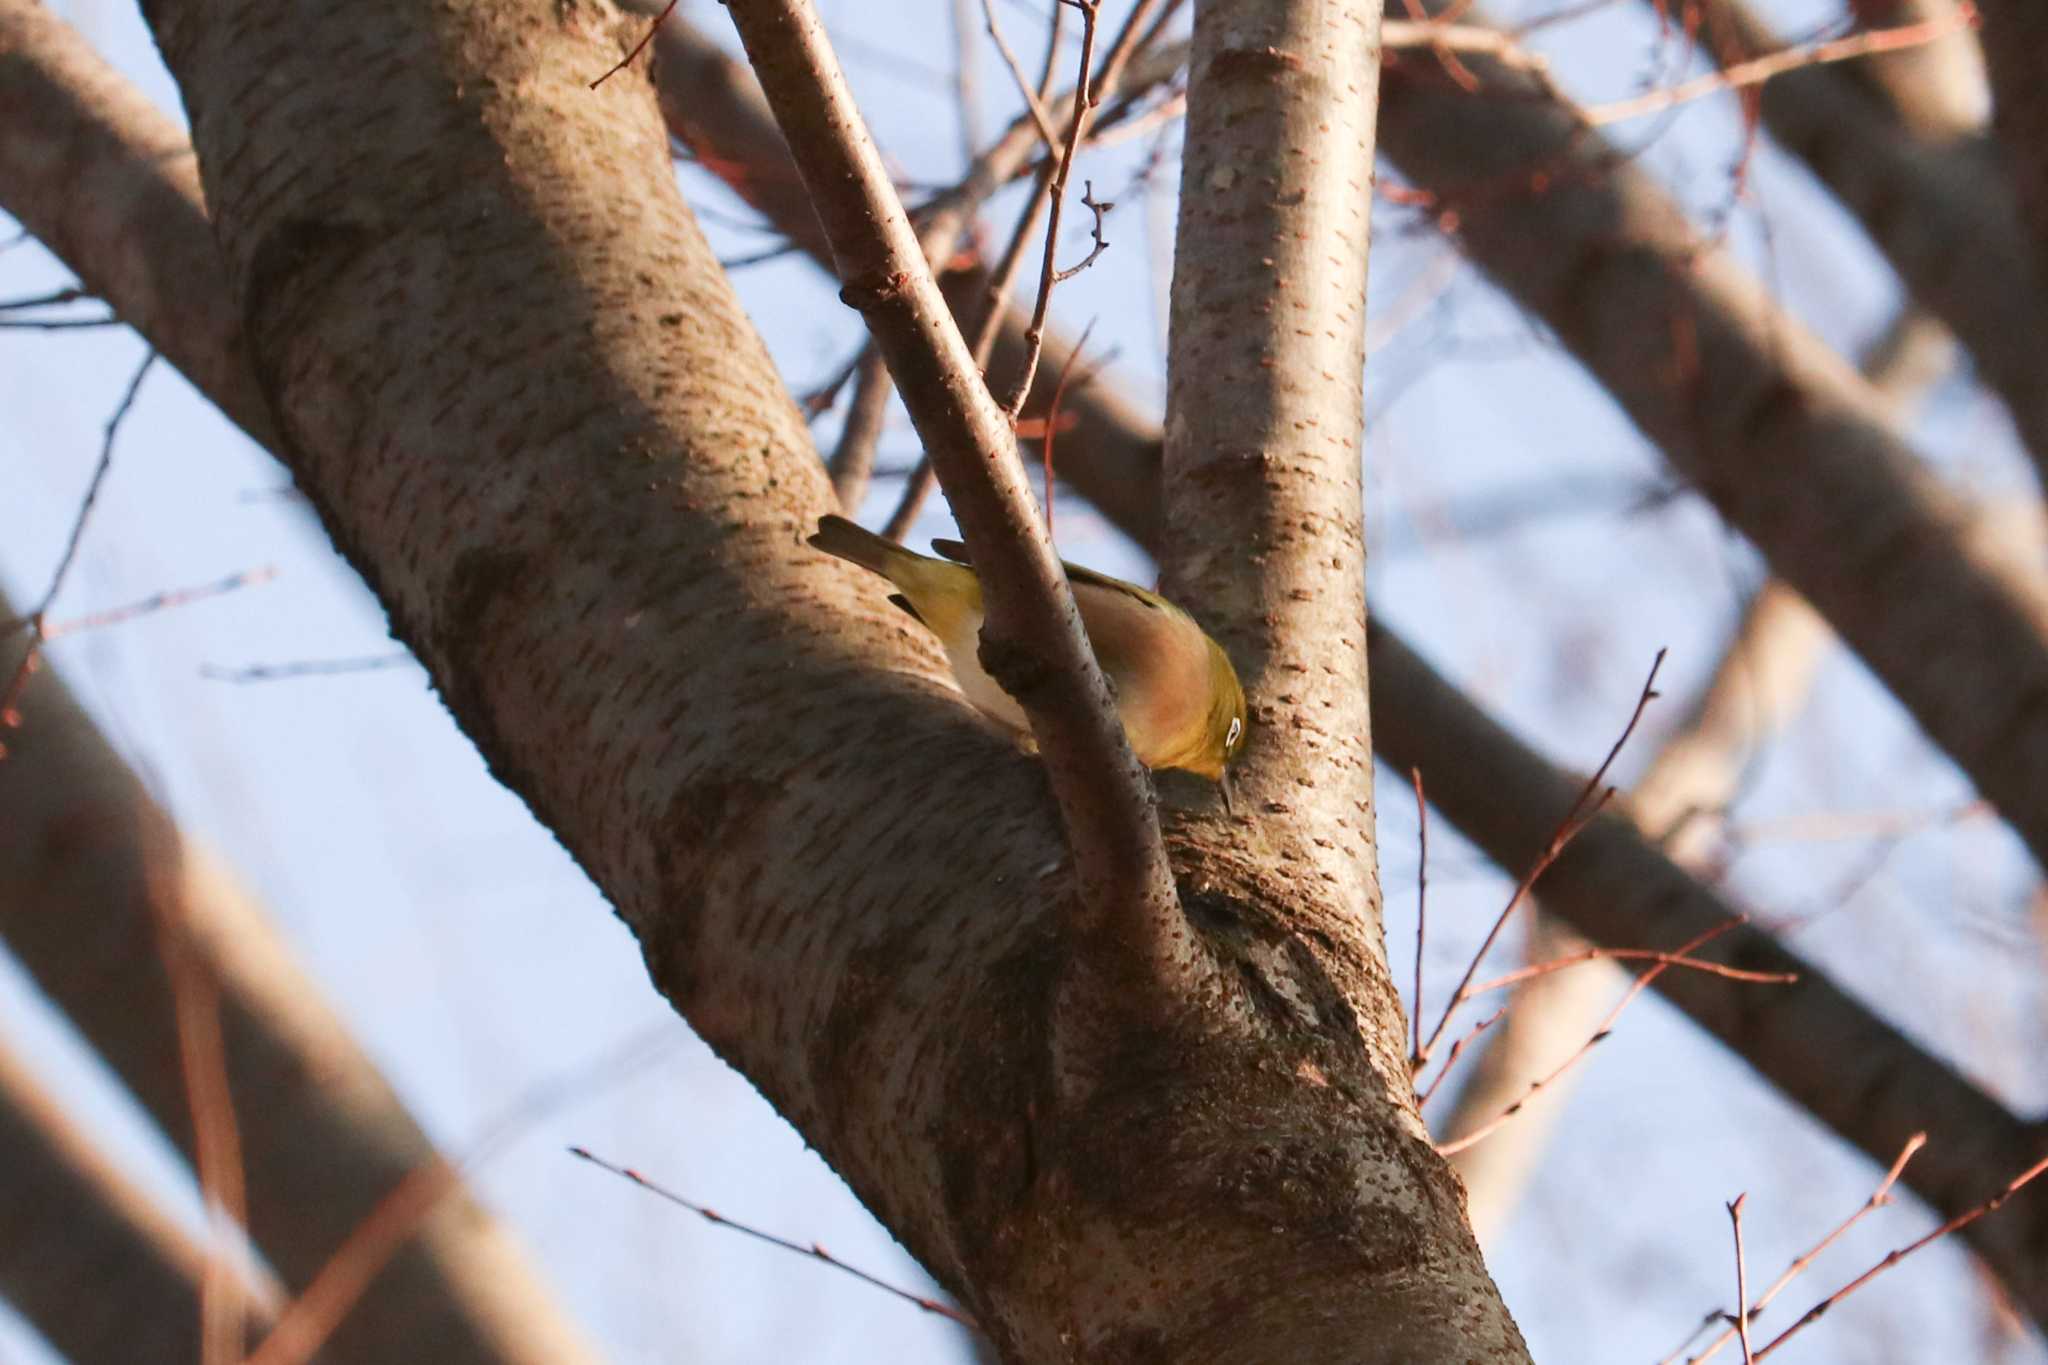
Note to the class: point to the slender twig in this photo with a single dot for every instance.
(37, 618)
(813, 1250)
(1048, 272)
(1741, 1284)
(1421, 911)
(1558, 964)
(305, 668)
(58, 324)
(1052, 417)
(1458, 1046)
(1600, 1035)
(1878, 1199)
(55, 298)
(1097, 208)
(160, 601)
(638, 47)
(1955, 1224)
(1743, 75)
(1591, 800)
(1034, 100)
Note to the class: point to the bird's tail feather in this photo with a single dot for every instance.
(856, 544)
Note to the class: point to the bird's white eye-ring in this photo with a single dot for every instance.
(1236, 729)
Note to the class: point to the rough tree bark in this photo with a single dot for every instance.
(508, 371)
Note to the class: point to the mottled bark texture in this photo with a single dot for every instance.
(85, 1256)
(1778, 432)
(1263, 461)
(1928, 185)
(1849, 1068)
(92, 873)
(527, 404)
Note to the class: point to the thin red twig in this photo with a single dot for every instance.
(1048, 275)
(1052, 416)
(1421, 911)
(1636, 988)
(1955, 1224)
(1558, 964)
(1591, 800)
(1879, 1197)
(638, 47)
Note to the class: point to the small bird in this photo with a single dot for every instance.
(1176, 692)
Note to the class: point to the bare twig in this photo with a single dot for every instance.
(306, 668)
(813, 1250)
(1034, 98)
(1098, 209)
(639, 47)
(1052, 418)
(1743, 75)
(1879, 1198)
(1600, 1035)
(1048, 273)
(1592, 799)
(1558, 964)
(36, 620)
(1741, 1284)
(1955, 1224)
(1421, 911)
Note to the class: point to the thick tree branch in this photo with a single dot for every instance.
(1032, 641)
(1779, 433)
(524, 398)
(88, 1258)
(1931, 190)
(88, 865)
(1265, 412)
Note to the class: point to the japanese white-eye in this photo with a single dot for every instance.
(1176, 692)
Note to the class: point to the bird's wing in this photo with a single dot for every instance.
(957, 552)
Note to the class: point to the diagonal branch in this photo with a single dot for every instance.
(1933, 193)
(1032, 641)
(1778, 432)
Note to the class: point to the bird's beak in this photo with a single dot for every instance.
(1223, 785)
